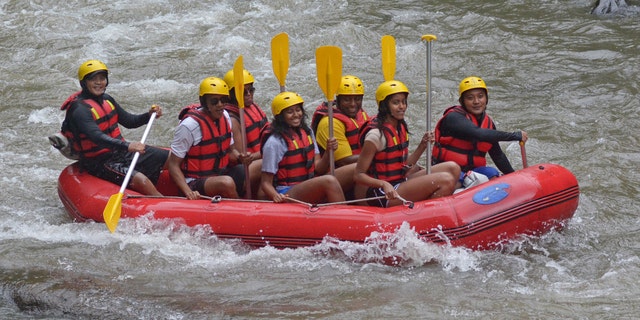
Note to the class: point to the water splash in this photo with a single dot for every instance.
(402, 248)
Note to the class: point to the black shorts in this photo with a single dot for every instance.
(114, 166)
(378, 192)
(237, 173)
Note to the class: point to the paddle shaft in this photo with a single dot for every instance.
(523, 153)
(329, 73)
(332, 166)
(243, 133)
(238, 77)
(428, 38)
(137, 154)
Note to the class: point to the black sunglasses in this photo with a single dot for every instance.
(215, 101)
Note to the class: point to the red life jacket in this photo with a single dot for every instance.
(352, 125)
(106, 118)
(388, 164)
(298, 163)
(467, 154)
(210, 157)
(254, 120)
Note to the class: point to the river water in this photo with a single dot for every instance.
(570, 79)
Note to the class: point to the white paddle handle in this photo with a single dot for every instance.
(137, 155)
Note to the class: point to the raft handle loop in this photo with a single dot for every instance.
(301, 202)
(405, 202)
(216, 199)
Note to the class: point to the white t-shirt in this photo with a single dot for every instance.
(188, 134)
(377, 138)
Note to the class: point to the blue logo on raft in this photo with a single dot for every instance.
(492, 194)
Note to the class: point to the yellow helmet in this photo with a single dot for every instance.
(469, 83)
(285, 100)
(229, 79)
(91, 66)
(213, 85)
(350, 85)
(388, 88)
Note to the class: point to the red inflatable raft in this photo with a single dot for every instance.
(530, 201)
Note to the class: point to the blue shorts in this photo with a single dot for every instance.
(283, 189)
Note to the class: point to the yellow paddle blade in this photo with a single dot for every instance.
(329, 69)
(280, 56)
(112, 211)
(238, 79)
(388, 57)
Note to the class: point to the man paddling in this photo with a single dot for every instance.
(92, 122)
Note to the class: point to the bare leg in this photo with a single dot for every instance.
(432, 186)
(319, 189)
(220, 186)
(255, 174)
(449, 167)
(345, 176)
(360, 192)
(140, 183)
